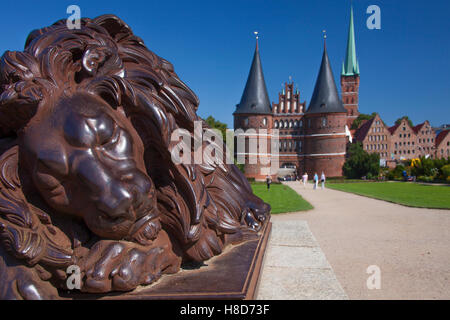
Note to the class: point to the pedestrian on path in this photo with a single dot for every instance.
(316, 180)
(268, 181)
(305, 179)
(322, 179)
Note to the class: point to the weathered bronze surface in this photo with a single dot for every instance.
(86, 175)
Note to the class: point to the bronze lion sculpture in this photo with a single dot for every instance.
(86, 174)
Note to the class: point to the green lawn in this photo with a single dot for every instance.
(408, 194)
(281, 198)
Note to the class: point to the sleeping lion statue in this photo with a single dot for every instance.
(86, 173)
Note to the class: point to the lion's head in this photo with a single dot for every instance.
(90, 113)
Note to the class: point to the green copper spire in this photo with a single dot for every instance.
(350, 67)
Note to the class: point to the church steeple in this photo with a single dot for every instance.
(350, 65)
(325, 98)
(255, 99)
(350, 76)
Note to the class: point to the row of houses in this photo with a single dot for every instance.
(402, 141)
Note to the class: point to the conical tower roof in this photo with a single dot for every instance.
(255, 99)
(325, 98)
(350, 66)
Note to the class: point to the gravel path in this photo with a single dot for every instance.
(411, 246)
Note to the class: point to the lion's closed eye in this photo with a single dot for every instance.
(104, 128)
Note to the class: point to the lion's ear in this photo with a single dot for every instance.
(20, 90)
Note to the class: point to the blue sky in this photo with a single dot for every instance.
(405, 66)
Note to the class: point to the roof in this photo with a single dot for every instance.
(255, 99)
(350, 66)
(325, 98)
(393, 128)
(363, 129)
(441, 136)
(418, 127)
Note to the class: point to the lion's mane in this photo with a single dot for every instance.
(201, 205)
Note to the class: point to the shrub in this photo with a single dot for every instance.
(425, 178)
(445, 171)
(397, 173)
(360, 163)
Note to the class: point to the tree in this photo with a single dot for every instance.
(361, 118)
(399, 120)
(361, 163)
(222, 127)
(215, 124)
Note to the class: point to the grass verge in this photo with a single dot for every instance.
(408, 194)
(281, 198)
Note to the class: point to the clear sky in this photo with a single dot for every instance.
(405, 66)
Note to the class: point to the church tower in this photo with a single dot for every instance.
(253, 113)
(350, 76)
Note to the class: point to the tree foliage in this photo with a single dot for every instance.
(216, 124)
(361, 163)
(399, 120)
(361, 118)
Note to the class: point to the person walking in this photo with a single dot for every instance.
(305, 179)
(316, 180)
(268, 181)
(322, 179)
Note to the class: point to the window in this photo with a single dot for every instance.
(291, 124)
(286, 125)
(245, 121)
(282, 106)
(295, 124)
(276, 124)
(324, 122)
(301, 123)
(275, 109)
(289, 106)
(281, 124)
(264, 122)
(295, 107)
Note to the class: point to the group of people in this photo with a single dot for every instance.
(316, 180)
(304, 180)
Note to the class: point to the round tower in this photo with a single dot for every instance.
(324, 131)
(252, 114)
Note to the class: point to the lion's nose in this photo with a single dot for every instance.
(117, 203)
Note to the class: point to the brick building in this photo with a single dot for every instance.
(403, 141)
(310, 140)
(314, 139)
(375, 137)
(443, 144)
(426, 144)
